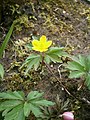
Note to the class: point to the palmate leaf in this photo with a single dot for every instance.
(29, 46)
(6, 111)
(16, 108)
(59, 51)
(87, 82)
(47, 59)
(52, 57)
(9, 104)
(29, 59)
(35, 101)
(75, 66)
(27, 109)
(34, 95)
(76, 74)
(14, 114)
(1, 71)
(31, 107)
(88, 63)
(80, 59)
(30, 65)
(12, 95)
(78, 63)
(54, 54)
(32, 61)
(55, 50)
(21, 115)
(42, 103)
(35, 110)
(32, 56)
(80, 66)
(12, 105)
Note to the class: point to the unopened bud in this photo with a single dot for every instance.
(68, 116)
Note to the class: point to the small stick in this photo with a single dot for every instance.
(58, 80)
(86, 101)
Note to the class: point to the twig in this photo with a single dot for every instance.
(80, 99)
(58, 80)
(86, 101)
(59, 71)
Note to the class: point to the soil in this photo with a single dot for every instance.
(67, 24)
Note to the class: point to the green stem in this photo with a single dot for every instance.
(42, 54)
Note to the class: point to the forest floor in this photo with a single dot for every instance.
(67, 24)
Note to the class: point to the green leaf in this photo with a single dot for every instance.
(37, 63)
(76, 74)
(27, 109)
(6, 111)
(11, 95)
(34, 95)
(12, 116)
(35, 110)
(74, 66)
(14, 113)
(19, 95)
(80, 66)
(54, 54)
(20, 116)
(88, 63)
(9, 104)
(59, 51)
(43, 103)
(5, 42)
(79, 59)
(18, 109)
(32, 56)
(30, 65)
(54, 58)
(32, 61)
(47, 59)
(29, 46)
(1, 71)
(87, 81)
(82, 60)
(54, 50)
(35, 37)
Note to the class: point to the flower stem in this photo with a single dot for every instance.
(42, 63)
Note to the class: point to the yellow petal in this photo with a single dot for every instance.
(41, 45)
(48, 44)
(43, 50)
(35, 43)
(43, 39)
(35, 48)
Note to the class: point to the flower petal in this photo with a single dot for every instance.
(43, 39)
(48, 44)
(35, 43)
(41, 45)
(45, 49)
(35, 48)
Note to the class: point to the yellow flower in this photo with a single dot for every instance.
(41, 45)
